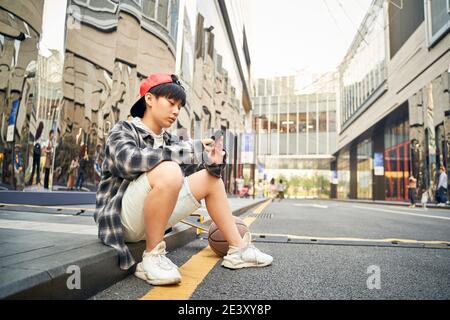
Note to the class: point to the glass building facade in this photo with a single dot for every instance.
(295, 128)
(363, 71)
(398, 104)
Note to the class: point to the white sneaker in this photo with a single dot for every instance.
(249, 256)
(156, 268)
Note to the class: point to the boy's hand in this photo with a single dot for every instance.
(214, 150)
(207, 143)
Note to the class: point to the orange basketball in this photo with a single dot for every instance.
(217, 241)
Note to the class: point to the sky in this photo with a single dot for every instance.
(284, 36)
(290, 36)
(52, 26)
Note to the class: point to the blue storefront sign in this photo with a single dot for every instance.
(12, 121)
(378, 164)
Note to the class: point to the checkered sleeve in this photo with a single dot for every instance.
(128, 160)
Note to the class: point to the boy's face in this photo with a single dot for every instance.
(163, 110)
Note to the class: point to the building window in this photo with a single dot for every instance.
(261, 91)
(403, 22)
(149, 8)
(322, 122)
(364, 72)
(174, 7)
(312, 122)
(364, 170)
(438, 19)
(396, 157)
(276, 88)
(163, 10)
(269, 87)
(343, 168)
(332, 121)
(302, 122)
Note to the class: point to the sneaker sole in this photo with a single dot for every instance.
(155, 282)
(229, 265)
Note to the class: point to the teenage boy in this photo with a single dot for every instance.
(151, 180)
(442, 187)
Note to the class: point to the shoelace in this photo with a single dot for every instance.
(254, 250)
(163, 261)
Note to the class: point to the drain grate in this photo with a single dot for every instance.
(262, 215)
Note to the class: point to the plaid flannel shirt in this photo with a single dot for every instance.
(129, 153)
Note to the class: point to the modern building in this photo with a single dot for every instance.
(394, 102)
(20, 31)
(108, 47)
(295, 128)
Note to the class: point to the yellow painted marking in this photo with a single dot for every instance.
(193, 271)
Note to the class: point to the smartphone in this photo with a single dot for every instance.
(217, 135)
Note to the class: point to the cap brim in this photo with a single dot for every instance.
(138, 109)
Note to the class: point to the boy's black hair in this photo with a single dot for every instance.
(172, 90)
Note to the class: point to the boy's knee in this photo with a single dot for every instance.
(213, 181)
(166, 175)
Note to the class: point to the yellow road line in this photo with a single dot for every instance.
(193, 272)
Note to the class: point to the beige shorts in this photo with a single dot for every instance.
(132, 213)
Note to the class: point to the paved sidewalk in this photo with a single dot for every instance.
(42, 249)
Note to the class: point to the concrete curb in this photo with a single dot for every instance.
(50, 198)
(97, 264)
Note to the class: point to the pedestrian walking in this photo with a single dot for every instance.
(144, 189)
(442, 187)
(73, 172)
(36, 165)
(280, 190)
(48, 150)
(18, 167)
(272, 188)
(84, 160)
(412, 186)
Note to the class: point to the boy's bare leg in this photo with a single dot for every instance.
(205, 186)
(166, 181)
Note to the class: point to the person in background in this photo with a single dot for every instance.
(412, 186)
(442, 187)
(48, 150)
(18, 167)
(36, 166)
(72, 173)
(280, 190)
(84, 159)
(272, 188)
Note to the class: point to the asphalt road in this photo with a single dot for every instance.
(356, 269)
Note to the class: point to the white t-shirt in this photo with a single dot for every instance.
(159, 138)
(443, 181)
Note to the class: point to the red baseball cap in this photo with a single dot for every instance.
(137, 110)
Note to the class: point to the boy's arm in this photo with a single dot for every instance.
(127, 160)
(215, 169)
(203, 162)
